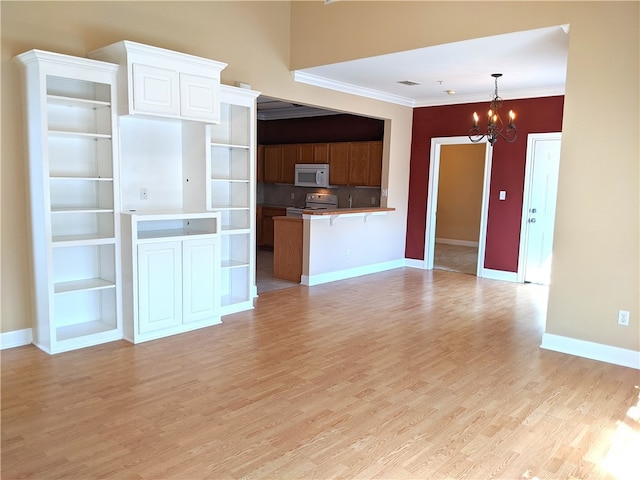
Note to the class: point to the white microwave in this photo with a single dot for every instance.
(312, 175)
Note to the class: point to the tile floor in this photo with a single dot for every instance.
(264, 273)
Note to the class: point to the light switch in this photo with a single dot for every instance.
(503, 195)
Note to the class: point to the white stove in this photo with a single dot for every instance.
(315, 201)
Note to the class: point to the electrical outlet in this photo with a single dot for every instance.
(347, 253)
(373, 200)
(143, 193)
(293, 196)
(623, 317)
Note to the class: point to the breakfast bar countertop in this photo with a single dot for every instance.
(346, 211)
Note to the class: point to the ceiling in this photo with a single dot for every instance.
(533, 64)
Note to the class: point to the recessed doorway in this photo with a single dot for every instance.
(459, 177)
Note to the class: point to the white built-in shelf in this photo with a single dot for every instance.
(234, 264)
(68, 133)
(84, 330)
(86, 239)
(234, 230)
(65, 210)
(80, 285)
(174, 233)
(230, 146)
(54, 178)
(230, 180)
(76, 102)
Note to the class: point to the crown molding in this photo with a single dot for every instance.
(318, 81)
(505, 95)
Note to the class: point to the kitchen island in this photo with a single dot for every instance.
(347, 242)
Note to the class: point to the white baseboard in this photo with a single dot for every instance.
(17, 338)
(499, 275)
(413, 263)
(453, 241)
(591, 350)
(311, 280)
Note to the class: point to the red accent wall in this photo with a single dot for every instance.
(533, 115)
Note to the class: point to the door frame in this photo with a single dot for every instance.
(432, 198)
(532, 138)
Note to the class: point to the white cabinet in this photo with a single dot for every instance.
(171, 266)
(230, 190)
(73, 178)
(159, 82)
(159, 286)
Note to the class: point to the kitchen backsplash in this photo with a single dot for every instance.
(290, 196)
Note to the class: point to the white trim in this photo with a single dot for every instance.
(526, 197)
(499, 275)
(17, 338)
(311, 280)
(310, 79)
(413, 263)
(453, 241)
(324, 82)
(591, 350)
(432, 198)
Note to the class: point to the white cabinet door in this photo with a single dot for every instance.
(200, 263)
(199, 97)
(159, 286)
(155, 90)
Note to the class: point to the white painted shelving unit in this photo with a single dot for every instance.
(71, 122)
(230, 190)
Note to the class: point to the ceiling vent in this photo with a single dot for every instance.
(409, 83)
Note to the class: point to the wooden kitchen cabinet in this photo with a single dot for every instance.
(313, 153)
(267, 227)
(287, 251)
(351, 163)
(260, 164)
(339, 163)
(272, 164)
(279, 163)
(365, 164)
(375, 164)
(358, 163)
(305, 153)
(320, 153)
(288, 160)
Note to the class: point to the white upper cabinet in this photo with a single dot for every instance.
(159, 82)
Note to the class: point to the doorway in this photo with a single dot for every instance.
(445, 150)
(539, 207)
(460, 188)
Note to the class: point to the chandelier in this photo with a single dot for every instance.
(495, 127)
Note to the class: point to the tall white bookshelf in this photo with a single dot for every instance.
(230, 190)
(71, 123)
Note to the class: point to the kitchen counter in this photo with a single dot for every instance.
(347, 211)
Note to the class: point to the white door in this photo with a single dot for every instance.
(200, 295)
(159, 286)
(543, 154)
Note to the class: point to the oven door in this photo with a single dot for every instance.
(312, 175)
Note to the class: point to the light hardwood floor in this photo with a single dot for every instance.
(402, 374)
